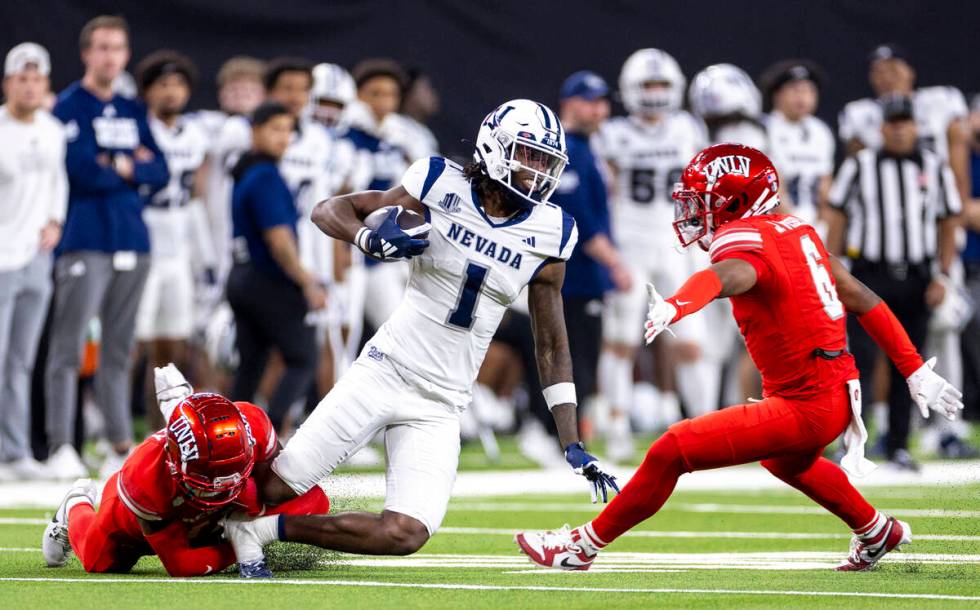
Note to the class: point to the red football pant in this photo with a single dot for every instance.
(111, 539)
(787, 436)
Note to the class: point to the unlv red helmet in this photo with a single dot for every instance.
(724, 182)
(210, 449)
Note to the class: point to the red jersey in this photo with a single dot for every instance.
(793, 310)
(147, 488)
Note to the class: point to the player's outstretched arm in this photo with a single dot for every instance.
(172, 546)
(342, 217)
(726, 278)
(555, 370)
(929, 390)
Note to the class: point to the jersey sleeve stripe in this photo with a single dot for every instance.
(735, 236)
(567, 223)
(437, 165)
(139, 511)
(734, 247)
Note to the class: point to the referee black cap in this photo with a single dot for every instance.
(896, 107)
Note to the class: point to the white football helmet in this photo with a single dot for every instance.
(651, 66)
(724, 89)
(331, 83)
(521, 145)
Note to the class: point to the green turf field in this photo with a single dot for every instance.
(705, 549)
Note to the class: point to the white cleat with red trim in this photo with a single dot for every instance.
(555, 549)
(866, 553)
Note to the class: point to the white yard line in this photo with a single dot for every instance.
(492, 531)
(742, 535)
(560, 507)
(489, 587)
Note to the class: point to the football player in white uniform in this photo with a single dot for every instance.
(491, 232)
(304, 167)
(646, 152)
(729, 103)
(181, 246)
(379, 88)
(801, 146)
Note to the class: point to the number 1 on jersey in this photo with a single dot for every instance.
(469, 294)
(821, 279)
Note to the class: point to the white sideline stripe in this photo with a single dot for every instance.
(749, 535)
(23, 521)
(482, 587)
(704, 508)
(640, 534)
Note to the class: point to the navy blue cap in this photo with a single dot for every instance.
(585, 84)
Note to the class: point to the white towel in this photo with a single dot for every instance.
(855, 436)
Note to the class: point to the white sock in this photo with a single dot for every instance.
(872, 528)
(586, 537)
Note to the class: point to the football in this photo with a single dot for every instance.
(411, 222)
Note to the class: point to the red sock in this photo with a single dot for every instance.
(313, 502)
(80, 520)
(643, 495)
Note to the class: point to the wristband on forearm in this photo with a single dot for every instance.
(361, 239)
(885, 329)
(560, 394)
(699, 290)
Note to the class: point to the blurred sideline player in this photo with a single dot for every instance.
(646, 152)
(240, 91)
(801, 146)
(492, 233)
(171, 493)
(726, 99)
(350, 169)
(791, 299)
(180, 240)
(940, 116)
(730, 104)
(406, 128)
(379, 89)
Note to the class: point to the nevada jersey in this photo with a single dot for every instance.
(934, 109)
(167, 215)
(803, 153)
(461, 285)
(648, 159)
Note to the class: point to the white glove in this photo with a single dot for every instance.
(659, 315)
(171, 387)
(930, 391)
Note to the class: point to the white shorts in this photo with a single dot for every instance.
(421, 438)
(166, 309)
(667, 269)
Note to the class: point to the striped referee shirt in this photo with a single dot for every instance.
(892, 204)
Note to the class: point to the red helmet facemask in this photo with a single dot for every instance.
(210, 450)
(724, 182)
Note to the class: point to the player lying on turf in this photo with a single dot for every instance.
(790, 299)
(492, 232)
(173, 490)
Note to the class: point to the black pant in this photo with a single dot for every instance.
(269, 312)
(970, 345)
(906, 298)
(583, 319)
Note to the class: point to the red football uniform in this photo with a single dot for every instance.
(794, 327)
(793, 310)
(143, 512)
